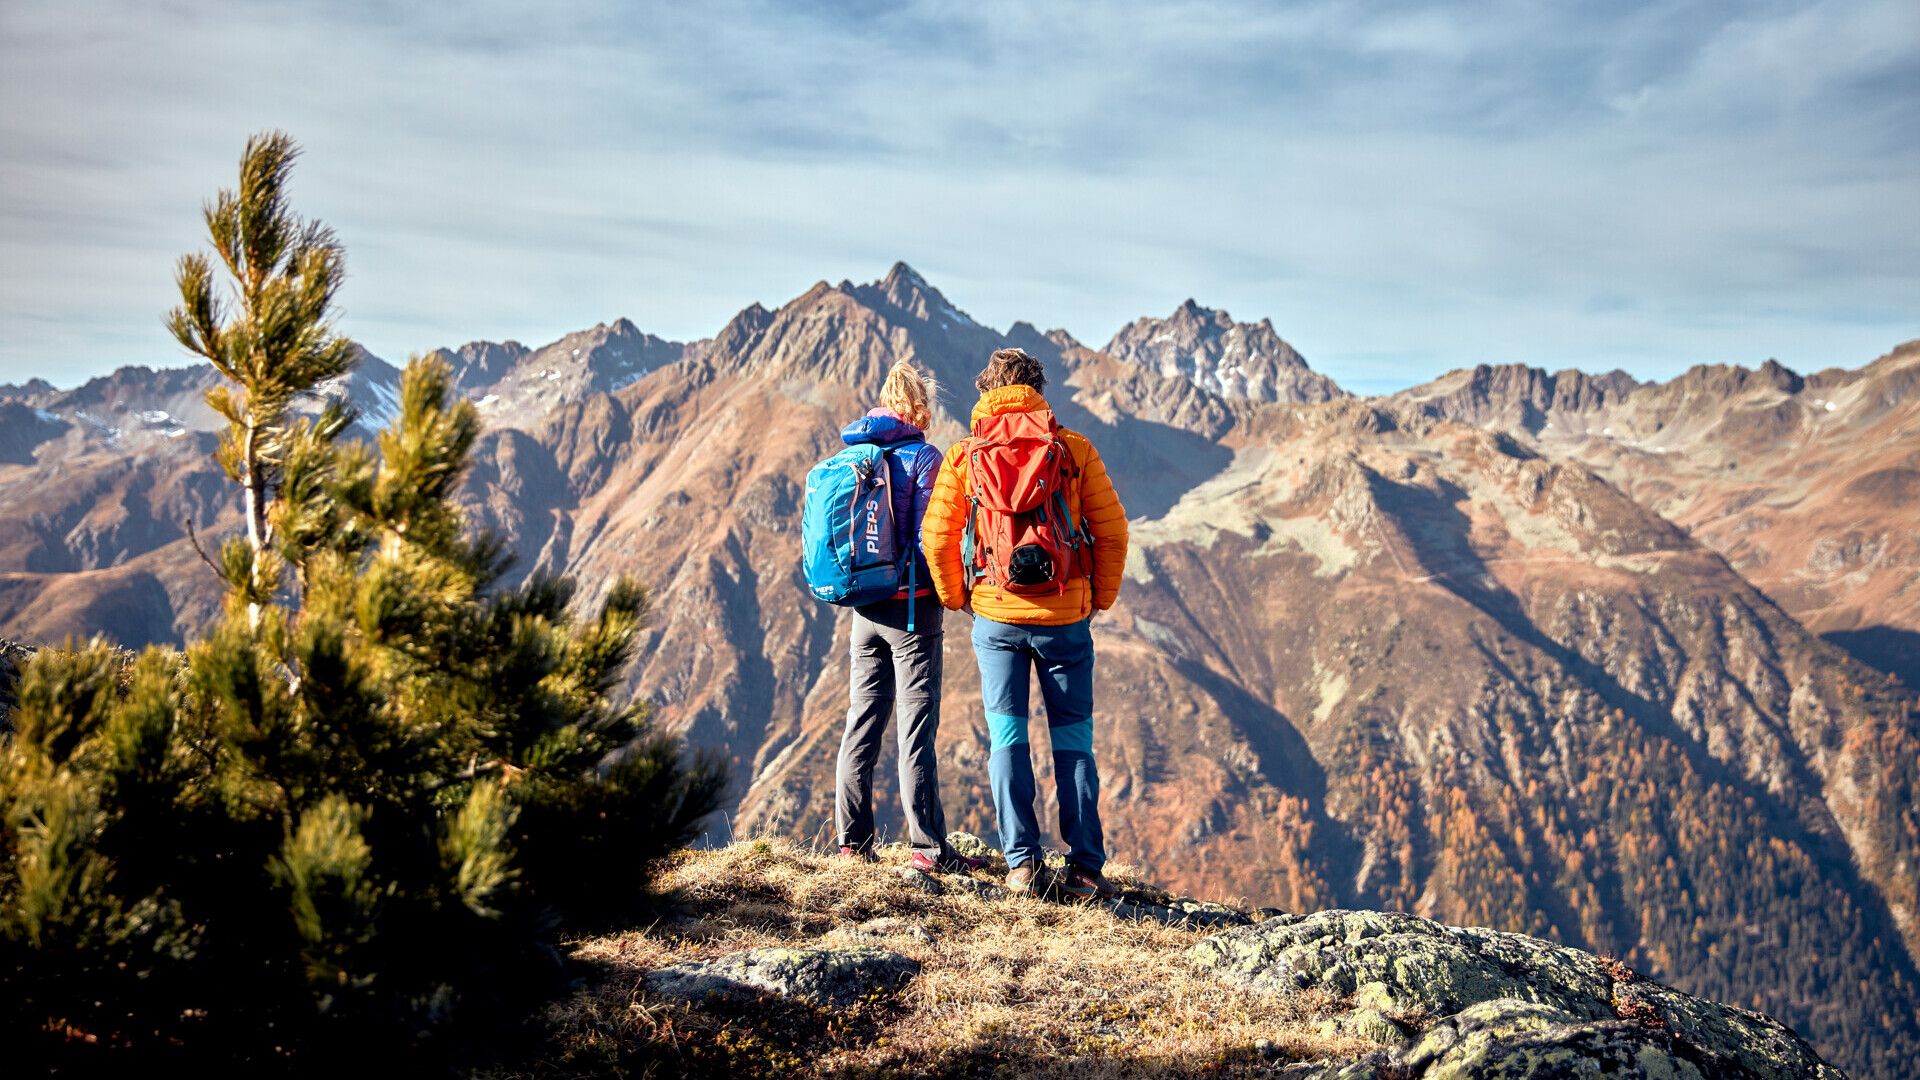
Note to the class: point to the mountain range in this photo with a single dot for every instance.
(1629, 666)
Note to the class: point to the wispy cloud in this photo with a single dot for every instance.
(1402, 187)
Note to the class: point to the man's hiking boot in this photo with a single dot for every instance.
(1084, 884)
(860, 854)
(1033, 879)
(951, 862)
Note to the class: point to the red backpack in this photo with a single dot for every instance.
(1019, 535)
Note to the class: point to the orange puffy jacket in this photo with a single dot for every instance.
(1093, 502)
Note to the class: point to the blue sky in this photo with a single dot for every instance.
(1402, 188)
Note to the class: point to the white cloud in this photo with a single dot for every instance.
(1401, 188)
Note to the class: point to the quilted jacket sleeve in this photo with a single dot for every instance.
(940, 531)
(926, 470)
(1106, 519)
(921, 472)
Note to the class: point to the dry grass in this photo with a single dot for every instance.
(1011, 987)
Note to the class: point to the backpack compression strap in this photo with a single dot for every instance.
(1078, 535)
(970, 536)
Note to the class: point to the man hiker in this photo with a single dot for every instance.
(897, 641)
(1025, 531)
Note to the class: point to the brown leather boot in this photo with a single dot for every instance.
(1085, 884)
(1031, 879)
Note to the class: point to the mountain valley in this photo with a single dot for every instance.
(1613, 664)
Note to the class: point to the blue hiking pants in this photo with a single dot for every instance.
(1064, 657)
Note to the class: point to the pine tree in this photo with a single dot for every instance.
(353, 818)
(274, 340)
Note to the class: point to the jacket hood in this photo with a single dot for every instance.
(1008, 399)
(880, 426)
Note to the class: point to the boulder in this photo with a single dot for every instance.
(1500, 1005)
(921, 881)
(970, 845)
(1755, 1043)
(985, 890)
(836, 979)
(1203, 914)
(1192, 914)
(1421, 963)
(1494, 1040)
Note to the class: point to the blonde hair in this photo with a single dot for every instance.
(910, 394)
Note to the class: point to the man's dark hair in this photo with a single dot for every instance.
(1011, 367)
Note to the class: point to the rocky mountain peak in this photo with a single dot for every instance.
(515, 384)
(31, 388)
(482, 363)
(1730, 380)
(905, 292)
(827, 334)
(1516, 395)
(737, 337)
(1243, 360)
(848, 335)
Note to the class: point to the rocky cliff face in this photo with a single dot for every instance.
(1439, 653)
(1239, 360)
(1810, 486)
(513, 383)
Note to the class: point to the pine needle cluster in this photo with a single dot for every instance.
(352, 821)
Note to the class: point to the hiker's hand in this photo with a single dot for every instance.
(967, 605)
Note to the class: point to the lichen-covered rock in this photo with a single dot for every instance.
(985, 890)
(970, 845)
(1730, 1036)
(922, 881)
(1465, 1034)
(1501, 1005)
(1202, 913)
(1373, 1025)
(1185, 913)
(1378, 995)
(1422, 963)
(828, 978)
(1521, 1041)
(1617, 1049)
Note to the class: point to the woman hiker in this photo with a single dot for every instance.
(897, 648)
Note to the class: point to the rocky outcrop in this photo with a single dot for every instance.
(1454, 1002)
(825, 978)
(1516, 395)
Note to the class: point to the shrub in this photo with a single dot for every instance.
(351, 822)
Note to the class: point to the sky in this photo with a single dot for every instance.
(1402, 188)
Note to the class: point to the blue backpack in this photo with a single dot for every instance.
(849, 547)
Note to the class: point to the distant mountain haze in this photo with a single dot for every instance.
(1558, 653)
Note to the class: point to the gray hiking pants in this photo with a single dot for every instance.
(892, 666)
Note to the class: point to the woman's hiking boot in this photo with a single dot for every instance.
(949, 862)
(861, 854)
(1084, 884)
(1031, 879)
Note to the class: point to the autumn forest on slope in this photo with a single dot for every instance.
(1629, 666)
